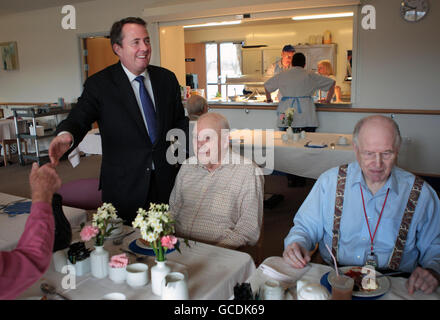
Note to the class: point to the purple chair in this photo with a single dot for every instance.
(81, 193)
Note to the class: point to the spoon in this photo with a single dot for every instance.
(118, 241)
(49, 289)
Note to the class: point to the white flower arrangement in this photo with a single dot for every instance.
(157, 227)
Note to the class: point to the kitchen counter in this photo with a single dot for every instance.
(267, 105)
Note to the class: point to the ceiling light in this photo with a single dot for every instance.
(324, 16)
(213, 24)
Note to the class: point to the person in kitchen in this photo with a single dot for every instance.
(325, 69)
(371, 212)
(282, 64)
(297, 87)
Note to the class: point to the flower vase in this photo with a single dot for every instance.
(99, 259)
(158, 272)
(289, 132)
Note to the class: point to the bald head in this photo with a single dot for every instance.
(384, 124)
(196, 106)
(212, 134)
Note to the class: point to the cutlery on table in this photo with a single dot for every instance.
(118, 241)
(138, 258)
(49, 289)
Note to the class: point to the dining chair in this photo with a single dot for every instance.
(6, 145)
(81, 193)
(256, 251)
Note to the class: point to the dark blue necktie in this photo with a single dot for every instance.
(147, 106)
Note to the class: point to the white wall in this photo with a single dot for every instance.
(49, 61)
(398, 64)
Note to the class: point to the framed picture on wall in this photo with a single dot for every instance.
(9, 55)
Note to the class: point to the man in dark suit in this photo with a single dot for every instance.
(135, 105)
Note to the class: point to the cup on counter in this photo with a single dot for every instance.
(137, 274)
(303, 134)
(285, 137)
(342, 288)
(296, 137)
(272, 290)
(342, 140)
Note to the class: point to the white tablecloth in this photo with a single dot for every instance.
(11, 228)
(313, 273)
(292, 156)
(91, 144)
(212, 273)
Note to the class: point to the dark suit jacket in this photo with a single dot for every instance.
(127, 151)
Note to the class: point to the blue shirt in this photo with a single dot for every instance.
(314, 220)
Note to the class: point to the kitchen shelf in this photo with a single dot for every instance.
(33, 113)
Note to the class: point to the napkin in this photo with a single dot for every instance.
(275, 268)
(19, 208)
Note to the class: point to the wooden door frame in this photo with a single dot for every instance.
(81, 40)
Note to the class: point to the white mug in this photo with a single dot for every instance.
(117, 275)
(311, 291)
(137, 274)
(285, 137)
(342, 140)
(295, 136)
(60, 259)
(272, 290)
(303, 134)
(174, 287)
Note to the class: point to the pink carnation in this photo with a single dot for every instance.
(282, 116)
(88, 232)
(168, 241)
(118, 261)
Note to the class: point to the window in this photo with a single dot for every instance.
(223, 60)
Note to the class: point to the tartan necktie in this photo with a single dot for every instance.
(147, 106)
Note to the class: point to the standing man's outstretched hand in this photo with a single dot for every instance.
(59, 146)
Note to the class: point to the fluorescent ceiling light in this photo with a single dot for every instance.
(213, 24)
(324, 16)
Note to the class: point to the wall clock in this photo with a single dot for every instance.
(413, 10)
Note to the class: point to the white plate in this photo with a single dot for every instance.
(384, 284)
(142, 245)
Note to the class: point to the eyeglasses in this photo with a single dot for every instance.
(368, 155)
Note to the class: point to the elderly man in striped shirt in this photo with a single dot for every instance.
(218, 195)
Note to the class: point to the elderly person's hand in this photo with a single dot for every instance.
(59, 146)
(44, 182)
(422, 279)
(296, 256)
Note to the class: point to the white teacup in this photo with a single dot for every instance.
(311, 291)
(272, 290)
(137, 274)
(174, 287)
(342, 140)
(117, 275)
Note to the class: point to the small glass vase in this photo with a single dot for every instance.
(289, 132)
(158, 272)
(99, 259)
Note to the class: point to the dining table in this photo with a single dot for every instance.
(275, 268)
(307, 157)
(12, 223)
(211, 272)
